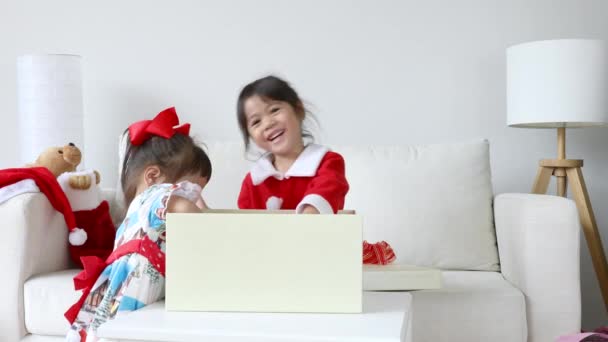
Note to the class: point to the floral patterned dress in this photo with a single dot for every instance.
(132, 280)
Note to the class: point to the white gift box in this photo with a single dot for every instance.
(261, 261)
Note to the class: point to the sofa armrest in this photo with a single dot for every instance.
(34, 241)
(538, 242)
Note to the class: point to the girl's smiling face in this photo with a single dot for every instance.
(274, 126)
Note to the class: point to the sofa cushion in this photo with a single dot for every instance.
(45, 299)
(432, 203)
(470, 306)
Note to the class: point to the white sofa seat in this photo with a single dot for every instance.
(470, 306)
(46, 297)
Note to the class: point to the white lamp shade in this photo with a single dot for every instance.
(49, 91)
(557, 83)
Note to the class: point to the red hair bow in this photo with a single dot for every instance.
(163, 125)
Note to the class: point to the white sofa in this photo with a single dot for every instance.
(511, 262)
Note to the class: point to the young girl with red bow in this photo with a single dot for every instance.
(163, 171)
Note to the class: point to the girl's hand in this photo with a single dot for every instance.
(309, 209)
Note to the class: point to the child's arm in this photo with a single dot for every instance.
(326, 192)
(179, 204)
(244, 201)
(185, 198)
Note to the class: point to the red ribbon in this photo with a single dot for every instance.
(93, 266)
(163, 125)
(379, 253)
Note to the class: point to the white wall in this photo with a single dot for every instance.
(382, 72)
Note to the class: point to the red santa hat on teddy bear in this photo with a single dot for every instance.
(46, 183)
(45, 171)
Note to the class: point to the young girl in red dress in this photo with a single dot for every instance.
(291, 174)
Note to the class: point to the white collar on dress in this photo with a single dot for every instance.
(306, 165)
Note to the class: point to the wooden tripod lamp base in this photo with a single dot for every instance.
(568, 171)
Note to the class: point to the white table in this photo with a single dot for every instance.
(386, 317)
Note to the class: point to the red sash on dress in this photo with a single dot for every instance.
(93, 266)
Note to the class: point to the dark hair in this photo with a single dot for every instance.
(176, 157)
(270, 88)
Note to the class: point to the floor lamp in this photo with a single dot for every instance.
(50, 102)
(562, 84)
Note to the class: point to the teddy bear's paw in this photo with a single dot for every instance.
(81, 182)
(97, 177)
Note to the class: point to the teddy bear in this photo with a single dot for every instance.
(91, 228)
(59, 159)
(64, 159)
